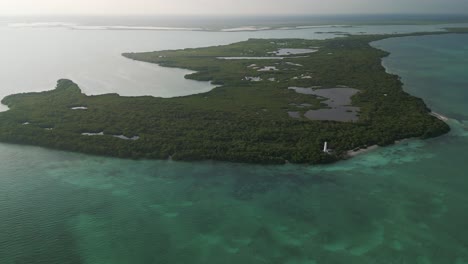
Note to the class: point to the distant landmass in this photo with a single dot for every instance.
(276, 101)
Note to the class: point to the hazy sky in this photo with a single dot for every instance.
(10, 7)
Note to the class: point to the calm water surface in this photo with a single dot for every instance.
(401, 204)
(34, 58)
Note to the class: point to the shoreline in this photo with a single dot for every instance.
(440, 117)
(354, 153)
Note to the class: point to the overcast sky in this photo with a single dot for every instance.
(263, 7)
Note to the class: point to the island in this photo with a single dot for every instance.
(275, 101)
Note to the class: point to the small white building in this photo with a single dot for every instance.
(325, 148)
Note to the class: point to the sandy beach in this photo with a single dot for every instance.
(354, 153)
(439, 116)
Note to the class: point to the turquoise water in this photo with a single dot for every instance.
(433, 67)
(402, 204)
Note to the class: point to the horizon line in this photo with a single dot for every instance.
(236, 14)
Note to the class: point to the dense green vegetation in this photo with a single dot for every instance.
(241, 120)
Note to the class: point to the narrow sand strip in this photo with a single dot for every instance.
(439, 116)
(354, 153)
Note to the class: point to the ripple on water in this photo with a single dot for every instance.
(405, 204)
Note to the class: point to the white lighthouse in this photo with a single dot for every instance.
(325, 147)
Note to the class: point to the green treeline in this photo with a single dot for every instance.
(241, 120)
